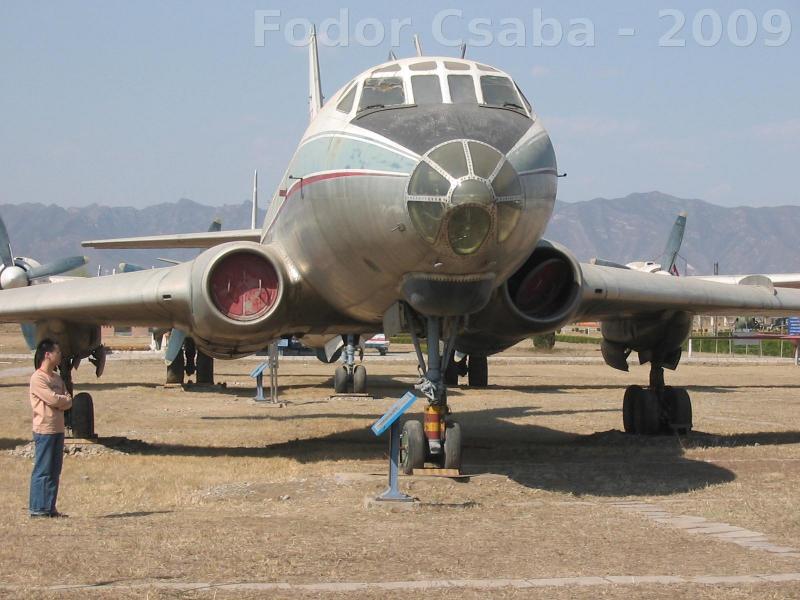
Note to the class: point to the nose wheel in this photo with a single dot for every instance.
(437, 439)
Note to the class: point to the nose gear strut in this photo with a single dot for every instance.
(441, 442)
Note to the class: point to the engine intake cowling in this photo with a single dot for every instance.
(541, 296)
(236, 298)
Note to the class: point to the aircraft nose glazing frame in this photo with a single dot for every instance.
(461, 192)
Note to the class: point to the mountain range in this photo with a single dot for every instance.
(740, 239)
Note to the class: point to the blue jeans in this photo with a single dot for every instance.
(46, 472)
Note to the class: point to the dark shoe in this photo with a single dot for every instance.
(58, 515)
(38, 515)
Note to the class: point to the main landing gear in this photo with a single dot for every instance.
(350, 377)
(474, 366)
(658, 408)
(80, 418)
(438, 438)
(191, 361)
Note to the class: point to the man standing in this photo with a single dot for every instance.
(49, 400)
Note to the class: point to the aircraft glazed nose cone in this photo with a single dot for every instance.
(472, 191)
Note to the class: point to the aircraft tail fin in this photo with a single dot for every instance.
(670, 255)
(314, 80)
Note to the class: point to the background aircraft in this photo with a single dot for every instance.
(667, 262)
(416, 201)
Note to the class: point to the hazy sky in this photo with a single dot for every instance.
(127, 103)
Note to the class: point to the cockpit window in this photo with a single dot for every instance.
(456, 66)
(499, 91)
(426, 89)
(462, 89)
(346, 103)
(382, 91)
(394, 68)
(524, 99)
(428, 65)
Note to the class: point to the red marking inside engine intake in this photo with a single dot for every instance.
(244, 286)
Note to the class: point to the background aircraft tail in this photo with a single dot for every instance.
(670, 254)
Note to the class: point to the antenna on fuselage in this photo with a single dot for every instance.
(254, 216)
(418, 44)
(463, 50)
(314, 80)
(392, 55)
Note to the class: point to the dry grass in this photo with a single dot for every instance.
(221, 489)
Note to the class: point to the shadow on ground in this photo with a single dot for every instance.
(11, 443)
(610, 463)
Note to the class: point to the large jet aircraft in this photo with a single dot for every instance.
(416, 201)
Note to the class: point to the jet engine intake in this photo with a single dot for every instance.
(236, 292)
(540, 297)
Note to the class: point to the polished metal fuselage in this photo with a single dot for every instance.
(340, 212)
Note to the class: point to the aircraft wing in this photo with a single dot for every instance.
(206, 239)
(784, 280)
(141, 298)
(610, 292)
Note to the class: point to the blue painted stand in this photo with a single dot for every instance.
(391, 421)
(258, 373)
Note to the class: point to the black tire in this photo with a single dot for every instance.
(382, 351)
(679, 410)
(204, 369)
(412, 447)
(190, 352)
(360, 380)
(647, 413)
(175, 370)
(452, 446)
(478, 371)
(81, 416)
(632, 393)
(451, 372)
(340, 380)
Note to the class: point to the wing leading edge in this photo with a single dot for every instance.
(141, 298)
(608, 292)
(206, 239)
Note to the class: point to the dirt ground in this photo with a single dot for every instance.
(205, 486)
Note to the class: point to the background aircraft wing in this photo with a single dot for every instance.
(206, 239)
(611, 292)
(784, 280)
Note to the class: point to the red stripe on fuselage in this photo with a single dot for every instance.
(336, 175)
(322, 177)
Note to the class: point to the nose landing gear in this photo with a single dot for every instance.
(439, 440)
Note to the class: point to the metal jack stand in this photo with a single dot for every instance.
(272, 364)
(391, 421)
